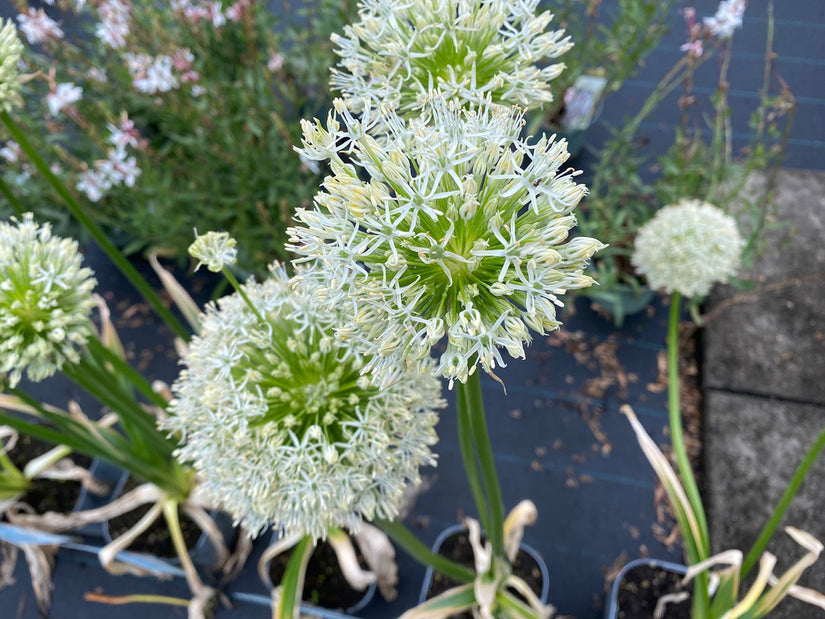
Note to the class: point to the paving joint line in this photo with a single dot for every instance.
(766, 396)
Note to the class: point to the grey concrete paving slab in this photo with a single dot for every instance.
(771, 340)
(753, 445)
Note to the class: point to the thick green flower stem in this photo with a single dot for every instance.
(468, 458)
(675, 420)
(781, 507)
(402, 536)
(700, 599)
(470, 405)
(97, 234)
(237, 286)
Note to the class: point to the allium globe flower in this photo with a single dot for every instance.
(281, 426)
(400, 51)
(461, 230)
(45, 300)
(10, 51)
(687, 248)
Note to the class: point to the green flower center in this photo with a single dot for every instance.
(303, 386)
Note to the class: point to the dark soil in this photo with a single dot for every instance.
(156, 539)
(641, 589)
(458, 549)
(47, 495)
(325, 585)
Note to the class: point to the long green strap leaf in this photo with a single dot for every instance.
(140, 425)
(784, 502)
(448, 604)
(512, 608)
(122, 368)
(102, 443)
(293, 580)
(402, 536)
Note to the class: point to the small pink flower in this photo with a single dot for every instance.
(728, 18)
(276, 62)
(63, 96)
(38, 27)
(235, 12)
(693, 48)
(182, 59)
(97, 75)
(157, 77)
(190, 77)
(112, 33)
(11, 152)
(113, 27)
(93, 184)
(216, 16)
(118, 169)
(124, 134)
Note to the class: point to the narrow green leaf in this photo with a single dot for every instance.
(402, 536)
(292, 583)
(446, 605)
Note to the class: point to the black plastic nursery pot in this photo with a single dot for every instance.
(621, 300)
(453, 542)
(332, 610)
(157, 542)
(640, 584)
(48, 494)
(325, 589)
(17, 535)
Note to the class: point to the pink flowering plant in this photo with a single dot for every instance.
(703, 162)
(611, 43)
(165, 116)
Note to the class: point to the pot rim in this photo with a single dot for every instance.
(611, 609)
(457, 528)
(306, 609)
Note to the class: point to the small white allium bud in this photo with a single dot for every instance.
(214, 249)
(687, 248)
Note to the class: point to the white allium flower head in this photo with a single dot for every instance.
(45, 300)
(280, 424)
(216, 250)
(10, 51)
(687, 248)
(461, 230)
(400, 51)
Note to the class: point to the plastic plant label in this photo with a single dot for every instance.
(581, 101)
